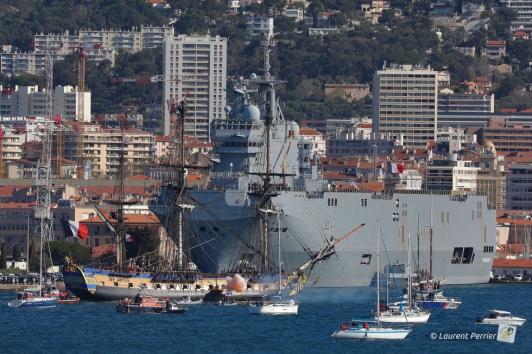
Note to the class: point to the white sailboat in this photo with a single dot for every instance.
(36, 298)
(371, 329)
(401, 312)
(276, 306)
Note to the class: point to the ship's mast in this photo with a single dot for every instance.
(43, 178)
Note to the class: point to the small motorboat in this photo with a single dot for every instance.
(497, 317)
(226, 303)
(67, 298)
(188, 301)
(142, 304)
(438, 301)
(173, 308)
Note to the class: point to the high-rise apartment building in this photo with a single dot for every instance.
(29, 101)
(198, 68)
(405, 100)
(103, 147)
(99, 45)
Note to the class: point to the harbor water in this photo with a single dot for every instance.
(96, 327)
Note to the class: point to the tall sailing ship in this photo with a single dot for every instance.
(314, 215)
(173, 280)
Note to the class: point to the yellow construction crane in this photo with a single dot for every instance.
(82, 56)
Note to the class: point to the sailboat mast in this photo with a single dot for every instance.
(378, 273)
(430, 270)
(418, 259)
(279, 237)
(409, 273)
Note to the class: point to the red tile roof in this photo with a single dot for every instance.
(512, 263)
(103, 250)
(308, 131)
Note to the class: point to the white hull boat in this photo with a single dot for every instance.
(498, 317)
(276, 308)
(371, 333)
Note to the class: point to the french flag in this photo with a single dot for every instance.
(72, 228)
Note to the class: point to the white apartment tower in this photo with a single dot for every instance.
(29, 101)
(405, 100)
(197, 66)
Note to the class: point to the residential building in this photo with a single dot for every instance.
(451, 175)
(27, 167)
(444, 79)
(353, 144)
(103, 147)
(99, 45)
(468, 9)
(520, 35)
(466, 51)
(519, 187)
(201, 63)
(452, 140)
(233, 5)
(318, 141)
(462, 103)
(319, 31)
(442, 9)
(405, 102)
(523, 9)
(503, 68)
(373, 10)
(257, 25)
(295, 13)
(507, 137)
(322, 20)
(491, 177)
(409, 179)
(350, 92)
(494, 49)
(329, 126)
(29, 101)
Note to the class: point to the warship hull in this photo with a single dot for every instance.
(463, 229)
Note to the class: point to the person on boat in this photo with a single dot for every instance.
(345, 326)
(365, 325)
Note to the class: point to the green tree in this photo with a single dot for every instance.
(35, 257)
(16, 252)
(284, 24)
(78, 253)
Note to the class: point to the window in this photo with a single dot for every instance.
(366, 259)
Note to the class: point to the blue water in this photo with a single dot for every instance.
(92, 327)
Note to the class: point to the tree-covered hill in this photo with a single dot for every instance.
(305, 62)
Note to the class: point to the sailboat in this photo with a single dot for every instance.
(429, 294)
(406, 311)
(371, 328)
(35, 297)
(276, 306)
